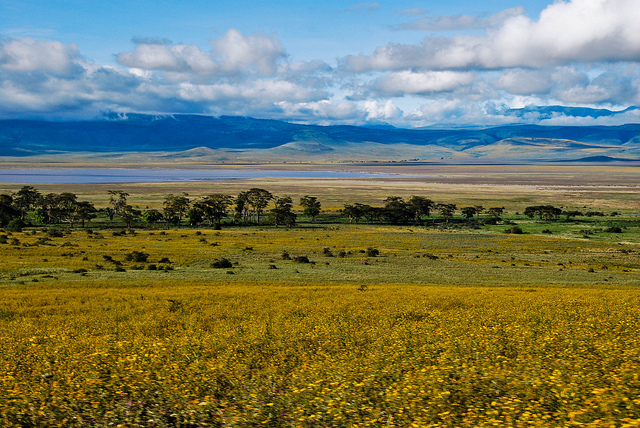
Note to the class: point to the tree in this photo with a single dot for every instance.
(85, 211)
(25, 199)
(242, 208)
(446, 211)
(195, 215)
(68, 206)
(7, 210)
(396, 210)
(175, 208)
(546, 212)
(496, 212)
(258, 199)
(469, 212)
(129, 214)
(214, 207)
(420, 206)
(152, 216)
(283, 212)
(118, 199)
(353, 212)
(311, 206)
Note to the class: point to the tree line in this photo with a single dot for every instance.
(248, 207)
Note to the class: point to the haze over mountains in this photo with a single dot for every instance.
(149, 138)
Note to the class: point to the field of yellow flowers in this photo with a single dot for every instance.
(433, 328)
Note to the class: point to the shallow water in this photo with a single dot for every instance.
(118, 175)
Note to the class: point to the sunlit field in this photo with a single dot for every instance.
(326, 323)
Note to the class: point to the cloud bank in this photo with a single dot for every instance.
(576, 53)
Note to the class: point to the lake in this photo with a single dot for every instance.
(121, 175)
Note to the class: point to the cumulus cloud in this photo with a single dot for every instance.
(428, 82)
(234, 53)
(525, 81)
(574, 31)
(28, 55)
(378, 112)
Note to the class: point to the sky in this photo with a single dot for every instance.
(405, 63)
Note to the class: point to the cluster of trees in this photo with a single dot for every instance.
(248, 207)
(398, 211)
(47, 209)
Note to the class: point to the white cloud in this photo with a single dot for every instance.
(376, 111)
(234, 53)
(525, 81)
(409, 82)
(574, 31)
(255, 50)
(28, 55)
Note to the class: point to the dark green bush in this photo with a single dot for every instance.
(221, 263)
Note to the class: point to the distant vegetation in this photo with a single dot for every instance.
(28, 207)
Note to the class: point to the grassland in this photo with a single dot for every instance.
(444, 327)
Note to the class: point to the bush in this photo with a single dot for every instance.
(547, 231)
(372, 252)
(286, 256)
(301, 259)
(613, 229)
(54, 232)
(136, 256)
(516, 230)
(221, 263)
(16, 225)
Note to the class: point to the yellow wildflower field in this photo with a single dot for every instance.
(436, 328)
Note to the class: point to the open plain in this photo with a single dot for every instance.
(332, 323)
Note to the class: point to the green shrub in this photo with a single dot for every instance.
(136, 256)
(221, 263)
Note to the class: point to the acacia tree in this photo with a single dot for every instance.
(129, 214)
(469, 212)
(175, 208)
(446, 211)
(85, 211)
(118, 199)
(7, 210)
(396, 210)
(214, 207)
(258, 199)
(420, 206)
(283, 212)
(25, 199)
(242, 208)
(311, 206)
(496, 212)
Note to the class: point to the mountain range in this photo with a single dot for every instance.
(138, 137)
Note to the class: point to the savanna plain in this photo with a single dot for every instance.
(520, 321)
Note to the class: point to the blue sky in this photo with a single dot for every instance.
(407, 63)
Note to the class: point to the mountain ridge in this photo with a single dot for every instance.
(245, 138)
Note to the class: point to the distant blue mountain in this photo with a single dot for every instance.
(547, 112)
(115, 133)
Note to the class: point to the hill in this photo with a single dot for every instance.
(192, 137)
